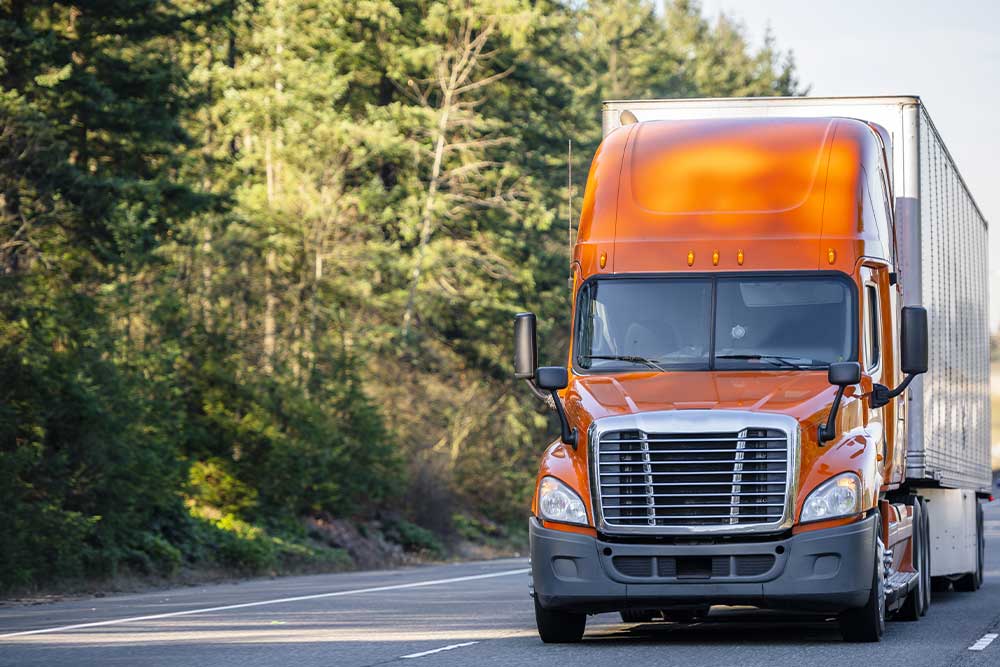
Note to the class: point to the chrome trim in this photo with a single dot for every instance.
(694, 421)
(734, 497)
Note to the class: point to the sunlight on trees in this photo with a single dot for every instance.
(258, 260)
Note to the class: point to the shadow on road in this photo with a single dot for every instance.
(744, 626)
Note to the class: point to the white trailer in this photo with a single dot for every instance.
(942, 244)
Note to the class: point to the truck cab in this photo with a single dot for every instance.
(732, 406)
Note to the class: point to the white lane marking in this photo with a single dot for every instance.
(438, 650)
(984, 641)
(261, 603)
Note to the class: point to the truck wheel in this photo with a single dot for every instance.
(638, 615)
(981, 540)
(867, 623)
(940, 584)
(913, 608)
(969, 583)
(559, 627)
(927, 554)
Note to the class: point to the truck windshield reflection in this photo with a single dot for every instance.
(743, 322)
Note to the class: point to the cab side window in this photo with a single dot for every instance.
(887, 204)
(871, 327)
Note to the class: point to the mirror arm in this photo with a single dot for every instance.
(543, 396)
(881, 394)
(568, 434)
(828, 430)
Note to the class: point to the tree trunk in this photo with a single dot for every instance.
(426, 217)
(270, 304)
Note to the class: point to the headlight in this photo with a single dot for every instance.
(836, 497)
(558, 502)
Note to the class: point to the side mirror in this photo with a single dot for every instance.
(844, 373)
(913, 357)
(525, 346)
(913, 340)
(552, 378)
(545, 381)
(841, 375)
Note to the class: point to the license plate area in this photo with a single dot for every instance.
(694, 567)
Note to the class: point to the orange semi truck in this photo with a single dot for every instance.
(759, 287)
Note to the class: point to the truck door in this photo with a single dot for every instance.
(879, 360)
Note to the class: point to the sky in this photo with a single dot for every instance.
(947, 52)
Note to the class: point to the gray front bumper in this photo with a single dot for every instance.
(825, 570)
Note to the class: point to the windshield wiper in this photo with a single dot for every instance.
(773, 359)
(626, 357)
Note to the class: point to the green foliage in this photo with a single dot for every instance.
(258, 261)
(230, 542)
(87, 461)
(213, 485)
(475, 529)
(153, 554)
(413, 538)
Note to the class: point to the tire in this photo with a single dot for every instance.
(867, 623)
(559, 627)
(970, 583)
(981, 539)
(927, 554)
(914, 605)
(940, 584)
(639, 615)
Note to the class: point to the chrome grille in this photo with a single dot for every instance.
(720, 479)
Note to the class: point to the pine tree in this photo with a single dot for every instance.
(89, 110)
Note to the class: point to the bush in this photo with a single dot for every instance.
(413, 538)
(88, 459)
(213, 485)
(153, 554)
(476, 529)
(238, 545)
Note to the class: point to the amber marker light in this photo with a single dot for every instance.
(739, 257)
(831, 255)
(715, 258)
(604, 259)
(690, 257)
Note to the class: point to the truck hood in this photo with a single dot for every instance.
(804, 395)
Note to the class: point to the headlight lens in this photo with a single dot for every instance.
(558, 502)
(836, 497)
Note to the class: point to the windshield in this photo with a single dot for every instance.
(725, 323)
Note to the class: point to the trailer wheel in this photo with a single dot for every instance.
(867, 623)
(559, 627)
(914, 606)
(982, 545)
(971, 582)
(927, 554)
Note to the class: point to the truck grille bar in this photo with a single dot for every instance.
(658, 482)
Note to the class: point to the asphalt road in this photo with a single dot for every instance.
(479, 612)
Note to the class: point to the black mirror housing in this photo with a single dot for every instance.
(913, 340)
(844, 373)
(841, 375)
(552, 378)
(546, 379)
(525, 346)
(913, 355)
